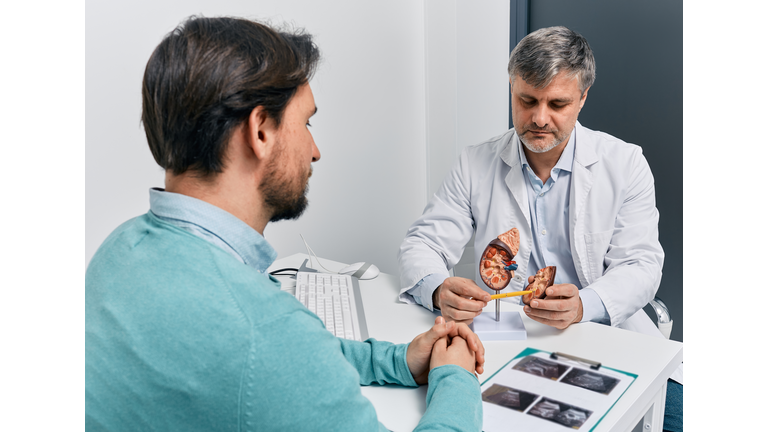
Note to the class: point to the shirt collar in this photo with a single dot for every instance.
(565, 163)
(213, 221)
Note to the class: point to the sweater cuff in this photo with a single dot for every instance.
(453, 400)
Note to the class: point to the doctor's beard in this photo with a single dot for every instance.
(538, 146)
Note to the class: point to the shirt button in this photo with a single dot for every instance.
(541, 194)
(543, 232)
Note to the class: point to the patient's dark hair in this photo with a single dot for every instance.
(206, 77)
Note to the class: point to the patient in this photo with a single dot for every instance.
(184, 329)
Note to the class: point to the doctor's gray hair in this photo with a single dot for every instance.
(541, 55)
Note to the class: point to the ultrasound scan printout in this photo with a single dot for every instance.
(535, 392)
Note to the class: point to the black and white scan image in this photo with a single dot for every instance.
(558, 412)
(508, 397)
(541, 367)
(590, 380)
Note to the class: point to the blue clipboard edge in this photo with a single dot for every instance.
(528, 351)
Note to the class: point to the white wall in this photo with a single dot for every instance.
(373, 94)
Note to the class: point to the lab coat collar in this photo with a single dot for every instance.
(585, 151)
(581, 184)
(514, 178)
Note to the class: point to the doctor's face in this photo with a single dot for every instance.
(545, 117)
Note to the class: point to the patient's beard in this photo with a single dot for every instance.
(286, 197)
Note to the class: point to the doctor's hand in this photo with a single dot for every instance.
(561, 308)
(452, 298)
(421, 350)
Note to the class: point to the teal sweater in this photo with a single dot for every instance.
(180, 335)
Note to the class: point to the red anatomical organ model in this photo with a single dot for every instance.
(542, 280)
(496, 265)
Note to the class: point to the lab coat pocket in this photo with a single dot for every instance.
(597, 246)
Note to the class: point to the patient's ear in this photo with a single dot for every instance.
(261, 133)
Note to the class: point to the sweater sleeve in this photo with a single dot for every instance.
(300, 377)
(453, 401)
(453, 398)
(379, 362)
(297, 378)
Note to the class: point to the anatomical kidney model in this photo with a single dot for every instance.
(496, 265)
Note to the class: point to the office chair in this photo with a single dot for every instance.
(664, 319)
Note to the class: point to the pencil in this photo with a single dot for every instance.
(511, 294)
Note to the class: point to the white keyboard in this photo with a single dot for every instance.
(335, 299)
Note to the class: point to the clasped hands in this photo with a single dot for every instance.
(445, 343)
(461, 300)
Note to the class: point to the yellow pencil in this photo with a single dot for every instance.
(511, 294)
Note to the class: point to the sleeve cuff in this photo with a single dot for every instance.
(593, 307)
(421, 293)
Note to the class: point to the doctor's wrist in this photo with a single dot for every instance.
(436, 297)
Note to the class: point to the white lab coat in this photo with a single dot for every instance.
(613, 221)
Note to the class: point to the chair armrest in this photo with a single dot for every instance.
(664, 319)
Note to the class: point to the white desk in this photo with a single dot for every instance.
(399, 408)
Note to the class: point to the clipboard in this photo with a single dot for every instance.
(545, 391)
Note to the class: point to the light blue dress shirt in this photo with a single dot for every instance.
(214, 225)
(549, 204)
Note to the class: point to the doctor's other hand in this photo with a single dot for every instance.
(453, 299)
(419, 354)
(561, 308)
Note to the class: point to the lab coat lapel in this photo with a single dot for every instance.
(581, 185)
(514, 179)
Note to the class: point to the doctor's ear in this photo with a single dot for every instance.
(261, 132)
(583, 98)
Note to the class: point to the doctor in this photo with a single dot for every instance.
(583, 201)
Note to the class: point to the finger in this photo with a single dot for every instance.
(542, 314)
(440, 329)
(440, 345)
(477, 347)
(458, 342)
(451, 299)
(559, 320)
(460, 315)
(550, 309)
(562, 290)
(472, 339)
(450, 315)
(467, 288)
(465, 304)
(558, 324)
(556, 304)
